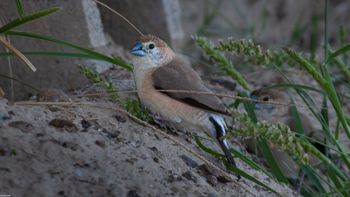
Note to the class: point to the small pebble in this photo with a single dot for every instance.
(212, 180)
(62, 123)
(120, 118)
(52, 95)
(100, 143)
(132, 193)
(25, 127)
(224, 179)
(81, 163)
(60, 193)
(188, 175)
(85, 124)
(188, 161)
(174, 177)
(155, 159)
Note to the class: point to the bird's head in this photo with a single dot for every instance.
(268, 95)
(150, 51)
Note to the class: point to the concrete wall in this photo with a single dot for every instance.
(159, 17)
(68, 24)
(271, 22)
(79, 21)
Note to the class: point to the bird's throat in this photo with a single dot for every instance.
(144, 81)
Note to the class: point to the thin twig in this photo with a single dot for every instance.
(2, 21)
(212, 94)
(120, 15)
(9, 63)
(20, 82)
(20, 55)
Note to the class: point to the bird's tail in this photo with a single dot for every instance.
(220, 128)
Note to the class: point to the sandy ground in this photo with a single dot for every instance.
(94, 151)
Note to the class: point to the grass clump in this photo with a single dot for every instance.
(295, 143)
(132, 106)
(225, 64)
(96, 78)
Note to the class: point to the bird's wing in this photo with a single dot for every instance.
(178, 75)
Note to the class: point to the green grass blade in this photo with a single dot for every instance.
(208, 150)
(271, 161)
(20, 21)
(307, 65)
(327, 85)
(342, 43)
(343, 50)
(262, 143)
(236, 153)
(52, 54)
(249, 107)
(232, 168)
(346, 188)
(307, 192)
(345, 70)
(20, 9)
(224, 64)
(117, 61)
(337, 129)
(300, 86)
(296, 118)
(20, 82)
(311, 174)
(251, 178)
(291, 85)
(307, 99)
(248, 161)
(300, 129)
(333, 176)
(324, 114)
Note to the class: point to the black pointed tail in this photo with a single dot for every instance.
(220, 128)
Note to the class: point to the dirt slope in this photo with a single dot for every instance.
(99, 152)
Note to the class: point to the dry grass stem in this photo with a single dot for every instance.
(120, 15)
(20, 55)
(209, 93)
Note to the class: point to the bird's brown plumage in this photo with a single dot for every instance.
(152, 38)
(178, 75)
(159, 67)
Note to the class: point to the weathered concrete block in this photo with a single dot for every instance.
(159, 17)
(78, 22)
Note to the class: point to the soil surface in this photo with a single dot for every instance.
(96, 150)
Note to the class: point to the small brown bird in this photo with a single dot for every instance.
(275, 114)
(157, 67)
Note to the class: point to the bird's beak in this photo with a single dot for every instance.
(137, 49)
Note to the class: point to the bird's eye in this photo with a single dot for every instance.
(266, 98)
(151, 46)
